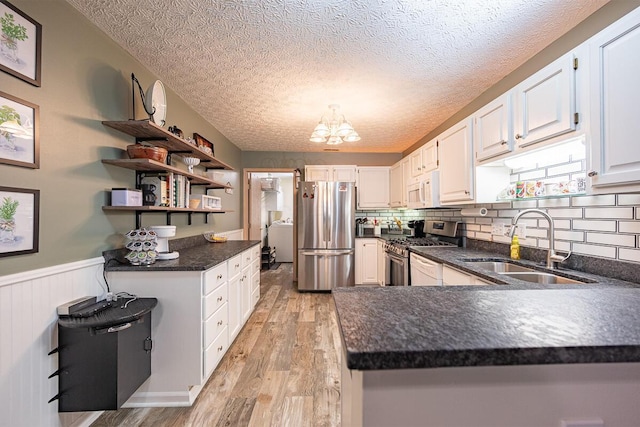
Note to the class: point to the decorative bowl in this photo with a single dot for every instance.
(191, 162)
(138, 151)
(210, 236)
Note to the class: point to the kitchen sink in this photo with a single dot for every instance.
(499, 266)
(540, 277)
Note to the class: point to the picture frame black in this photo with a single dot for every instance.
(204, 144)
(20, 44)
(19, 132)
(19, 221)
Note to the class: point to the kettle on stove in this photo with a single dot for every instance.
(416, 227)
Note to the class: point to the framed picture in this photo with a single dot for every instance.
(19, 221)
(20, 44)
(19, 132)
(203, 144)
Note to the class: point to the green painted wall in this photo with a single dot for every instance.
(86, 79)
(280, 159)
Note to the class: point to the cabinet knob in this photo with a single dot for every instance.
(220, 348)
(219, 299)
(518, 136)
(237, 265)
(467, 192)
(592, 173)
(219, 276)
(220, 322)
(503, 142)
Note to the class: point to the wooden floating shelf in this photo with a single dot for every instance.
(144, 130)
(148, 165)
(159, 209)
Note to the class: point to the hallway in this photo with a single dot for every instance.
(283, 369)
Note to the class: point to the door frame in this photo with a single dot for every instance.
(245, 204)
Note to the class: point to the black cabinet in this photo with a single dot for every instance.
(101, 366)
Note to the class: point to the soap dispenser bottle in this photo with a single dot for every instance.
(515, 247)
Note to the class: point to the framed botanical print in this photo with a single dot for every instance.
(20, 44)
(19, 221)
(19, 132)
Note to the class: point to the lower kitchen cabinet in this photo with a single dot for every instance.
(453, 277)
(199, 314)
(366, 256)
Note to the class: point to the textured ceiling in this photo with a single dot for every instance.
(263, 72)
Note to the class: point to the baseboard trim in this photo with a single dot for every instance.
(163, 399)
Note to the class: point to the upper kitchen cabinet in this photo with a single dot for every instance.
(545, 103)
(398, 177)
(373, 187)
(456, 164)
(330, 173)
(614, 70)
(493, 128)
(424, 159)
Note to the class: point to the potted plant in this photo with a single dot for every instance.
(7, 219)
(8, 114)
(11, 34)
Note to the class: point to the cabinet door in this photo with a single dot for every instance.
(235, 307)
(381, 265)
(492, 128)
(396, 186)
(344, 173)
(430, 156)
(545, 103)
(245, 294)
(318, 173)
(456, 171)
(415, 160)
(366, 255)
(373, 187)
(615, 67)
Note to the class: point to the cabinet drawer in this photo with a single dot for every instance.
(255, 281)
(234, 266)
(215, 324)
(214, 352)
(255, 266)
(255, 252)
(255, 296)
(246, 258)
(215, 277)
(214, 301)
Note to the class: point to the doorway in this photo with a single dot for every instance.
(270, 213)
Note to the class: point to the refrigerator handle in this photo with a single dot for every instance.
(325, 213)
(326, 253)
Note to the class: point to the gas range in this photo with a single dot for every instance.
(440, 233)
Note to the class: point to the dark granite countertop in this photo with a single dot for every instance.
(459, 258)
(192, 258)
(429, 327)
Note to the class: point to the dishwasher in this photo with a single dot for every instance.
(424, 272)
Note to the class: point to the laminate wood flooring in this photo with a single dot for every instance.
(283, 369)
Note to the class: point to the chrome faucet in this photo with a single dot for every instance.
(552, 257)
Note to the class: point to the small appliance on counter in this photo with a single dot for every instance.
(163, 232)
(416, 227)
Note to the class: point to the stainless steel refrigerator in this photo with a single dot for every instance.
(326, 235)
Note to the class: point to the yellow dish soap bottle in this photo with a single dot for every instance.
(515, 247)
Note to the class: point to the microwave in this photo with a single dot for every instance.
(424, 191)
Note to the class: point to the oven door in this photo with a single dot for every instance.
(396, 270)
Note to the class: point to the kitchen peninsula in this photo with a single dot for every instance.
(460, 356)
(204, 298)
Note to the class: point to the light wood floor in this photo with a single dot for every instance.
(282, 370)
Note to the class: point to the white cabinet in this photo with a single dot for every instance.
(366, 256)
(615, 91)
(381, 263)
(330, 173)
(373, 187)
(424, 159)
(234, 266)
(493, 128)
(545, 103)
(454, 277)
(456, 164)
(398, 177)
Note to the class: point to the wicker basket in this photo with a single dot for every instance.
(138, 151)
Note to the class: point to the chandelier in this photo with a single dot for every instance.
(334, 129)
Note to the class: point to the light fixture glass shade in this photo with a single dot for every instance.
(344, 129)
(322, 130)
(334, 140)
(317, 139)
(352, 137)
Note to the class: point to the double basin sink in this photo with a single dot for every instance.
(520, 272)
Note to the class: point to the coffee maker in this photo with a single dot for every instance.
(416, 228)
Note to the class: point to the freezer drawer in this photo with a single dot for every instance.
(323, 270)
